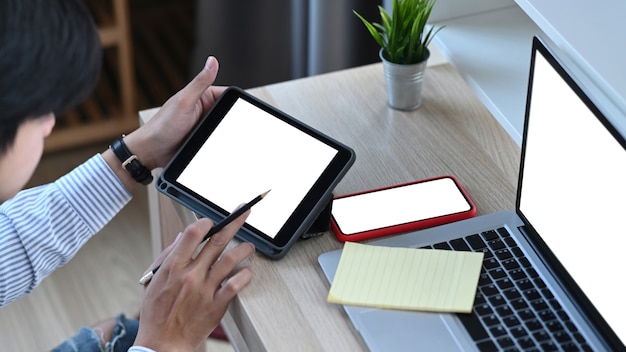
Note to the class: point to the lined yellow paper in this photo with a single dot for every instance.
(406, 278)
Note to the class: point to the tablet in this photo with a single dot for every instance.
(244, 147)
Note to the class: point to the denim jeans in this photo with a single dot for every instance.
(87, 340)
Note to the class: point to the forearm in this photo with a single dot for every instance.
(42, 228)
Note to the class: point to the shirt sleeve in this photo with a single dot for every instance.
(43, 227)
(140, 349)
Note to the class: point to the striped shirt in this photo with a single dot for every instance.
(42, 228)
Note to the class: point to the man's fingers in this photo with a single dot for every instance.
(227, 263)
(218, 242)
(233, 285)
(203, 80)
(163, 254)
(189, 241)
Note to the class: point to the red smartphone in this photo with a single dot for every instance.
(400, 208)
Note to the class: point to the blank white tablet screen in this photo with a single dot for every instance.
(251, 152)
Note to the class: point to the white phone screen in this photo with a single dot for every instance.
(399, 205)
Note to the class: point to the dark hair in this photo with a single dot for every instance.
(50, 60)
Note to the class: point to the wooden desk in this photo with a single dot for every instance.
(285, 308)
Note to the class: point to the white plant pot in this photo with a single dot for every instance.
(404, 83)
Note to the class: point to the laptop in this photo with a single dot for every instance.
(553, 270)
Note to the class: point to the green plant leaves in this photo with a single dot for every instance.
(372, 29)
(401, 35)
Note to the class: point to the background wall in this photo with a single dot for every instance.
(275, 40)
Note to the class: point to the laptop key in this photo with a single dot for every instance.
(533, 325)
(542, 285)
(532, 273)
(549, 346)
(511, 321)
(555, 326)
(539, 305)
(517, 253)
(571, 327)
(510, 264)
(518, 274)
(505, 342)
(532, 294)
(497, 273)
(570, 347)
(526, 342)
(519, 331)
(475, 242)
(483, 310)
(491, 320)
(498, 331)
(546, 316)
(512, 294)
(504, 311)
(541, 335)
(502, 231)
(459, 245)
(525, 262)
(526, 314)
(488, 253)
(579, 337)
(563, 315)
(489, 290)
(489, 235)
(562, 337)
(480, 299)
(503, 254)
(549, 296)
(496, 244)
(510, 242)
(490, 263)
(442, 245)
(524, 284)
(484, 279)
(496, 300)
(474, 327)
(487, 346)
(504, 283)
(519, 304)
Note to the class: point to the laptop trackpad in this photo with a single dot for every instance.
(390, 330)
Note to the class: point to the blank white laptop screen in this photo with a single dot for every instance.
(574, 191)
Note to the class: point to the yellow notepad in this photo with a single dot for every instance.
(406, 278)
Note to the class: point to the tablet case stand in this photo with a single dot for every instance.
(321, 225)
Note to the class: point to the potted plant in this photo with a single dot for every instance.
(404, 49)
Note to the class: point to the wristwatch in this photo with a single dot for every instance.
(130, 162)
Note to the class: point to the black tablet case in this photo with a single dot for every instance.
(317, 222)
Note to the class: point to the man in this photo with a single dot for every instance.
(50, 58)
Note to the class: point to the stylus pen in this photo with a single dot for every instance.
(234, 215)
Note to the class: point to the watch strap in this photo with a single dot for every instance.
(130, 162)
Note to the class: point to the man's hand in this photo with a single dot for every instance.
(187, 298)
(156, 142)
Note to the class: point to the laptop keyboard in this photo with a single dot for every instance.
(513, 310)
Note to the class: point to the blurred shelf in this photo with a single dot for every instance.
(112, 109)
